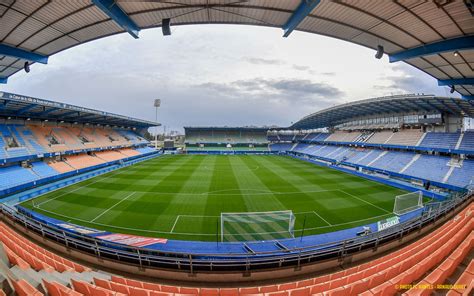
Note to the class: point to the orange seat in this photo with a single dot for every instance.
(319, 288)
(229, 292)
(269, 289)
(358, 287)
(119, 288)
(423, 288)
(151, 286)
(386, 288)
(305, 291)
(209, 291)
(81, 287)
(102, 283)
(23, 288)
(246, 291)
(277, 293)
(169, 289)
(287, 286)
(15, 259)
(133, 291)
(466, 280)
(470, 267)
(189, 291)
(56, 289)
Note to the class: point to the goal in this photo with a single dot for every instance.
(409, 202)
(257, 226)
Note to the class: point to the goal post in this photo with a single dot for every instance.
(408, 202)
(257, 226)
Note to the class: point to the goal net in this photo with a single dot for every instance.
(409, 202)
(257, 226)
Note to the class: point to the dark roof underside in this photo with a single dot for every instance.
(18, 106)
(47, 26)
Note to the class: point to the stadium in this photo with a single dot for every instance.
(369, 197)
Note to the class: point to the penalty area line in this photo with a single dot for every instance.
(175, 222)
(116, 204)
(363, 200)
(322, 218)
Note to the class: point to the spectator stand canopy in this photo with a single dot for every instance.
(401, 104)
(436, 36)
(13, 106)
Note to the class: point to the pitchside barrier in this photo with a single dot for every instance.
(227, 257)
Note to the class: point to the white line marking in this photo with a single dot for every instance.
(116, 204)
(100, 179)
(196, 234)
(365, 201)
(174, 225)
(322, 218)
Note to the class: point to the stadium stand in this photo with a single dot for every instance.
(440, 140)
(15, 175)
(439, 257)
(34, 151)
(406, 137)
(60, 166)
(226, 135)
(467, 141)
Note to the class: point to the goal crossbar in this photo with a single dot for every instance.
(253, 226)
(409, 202)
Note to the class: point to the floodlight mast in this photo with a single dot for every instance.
(157, 104)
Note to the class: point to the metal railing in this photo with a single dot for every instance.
(195, 262)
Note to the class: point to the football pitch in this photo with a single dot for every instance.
(182, 197)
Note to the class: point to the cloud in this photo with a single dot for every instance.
(262, 61)
(303, 92)
(301, 68)
(408, 79)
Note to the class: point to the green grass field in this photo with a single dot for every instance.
(183, 196)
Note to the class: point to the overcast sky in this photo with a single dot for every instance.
(215, 75)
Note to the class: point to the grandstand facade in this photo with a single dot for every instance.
(427, 144)
(226, 139)
(43, 141)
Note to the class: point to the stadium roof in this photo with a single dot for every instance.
(435, 36)
(18, 106)
(386, 105)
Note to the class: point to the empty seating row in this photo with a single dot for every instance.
(429, 260)
(82, 161)
(430, 167)
(441, 140)
(25, 140)
(35, 256)
(15, 175)
(439, 251)
(110, 155)
(280, 146)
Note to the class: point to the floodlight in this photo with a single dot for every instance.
(165, 26)
(380, 52)
(26, 66)
(456, 53)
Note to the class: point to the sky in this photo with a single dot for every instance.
(218, 75)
